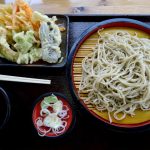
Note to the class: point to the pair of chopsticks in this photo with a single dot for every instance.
(24, 79)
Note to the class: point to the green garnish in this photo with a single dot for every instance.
(48, 100)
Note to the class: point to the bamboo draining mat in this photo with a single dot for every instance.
(84, 50)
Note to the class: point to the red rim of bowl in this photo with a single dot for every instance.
(36, 113)
(119, 22)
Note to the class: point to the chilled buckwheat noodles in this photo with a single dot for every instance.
(116, 75)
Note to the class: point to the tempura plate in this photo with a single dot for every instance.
(64, 21)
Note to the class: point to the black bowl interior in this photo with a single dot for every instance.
(4, 108)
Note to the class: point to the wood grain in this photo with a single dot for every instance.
(88, 7)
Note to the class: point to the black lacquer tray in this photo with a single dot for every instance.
(87, 133)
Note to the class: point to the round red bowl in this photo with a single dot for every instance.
(70, 120)
(117, 22)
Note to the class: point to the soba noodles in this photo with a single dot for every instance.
(116, 75)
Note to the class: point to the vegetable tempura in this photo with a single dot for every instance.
(20, 38)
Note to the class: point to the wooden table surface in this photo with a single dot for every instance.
(90, 6)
